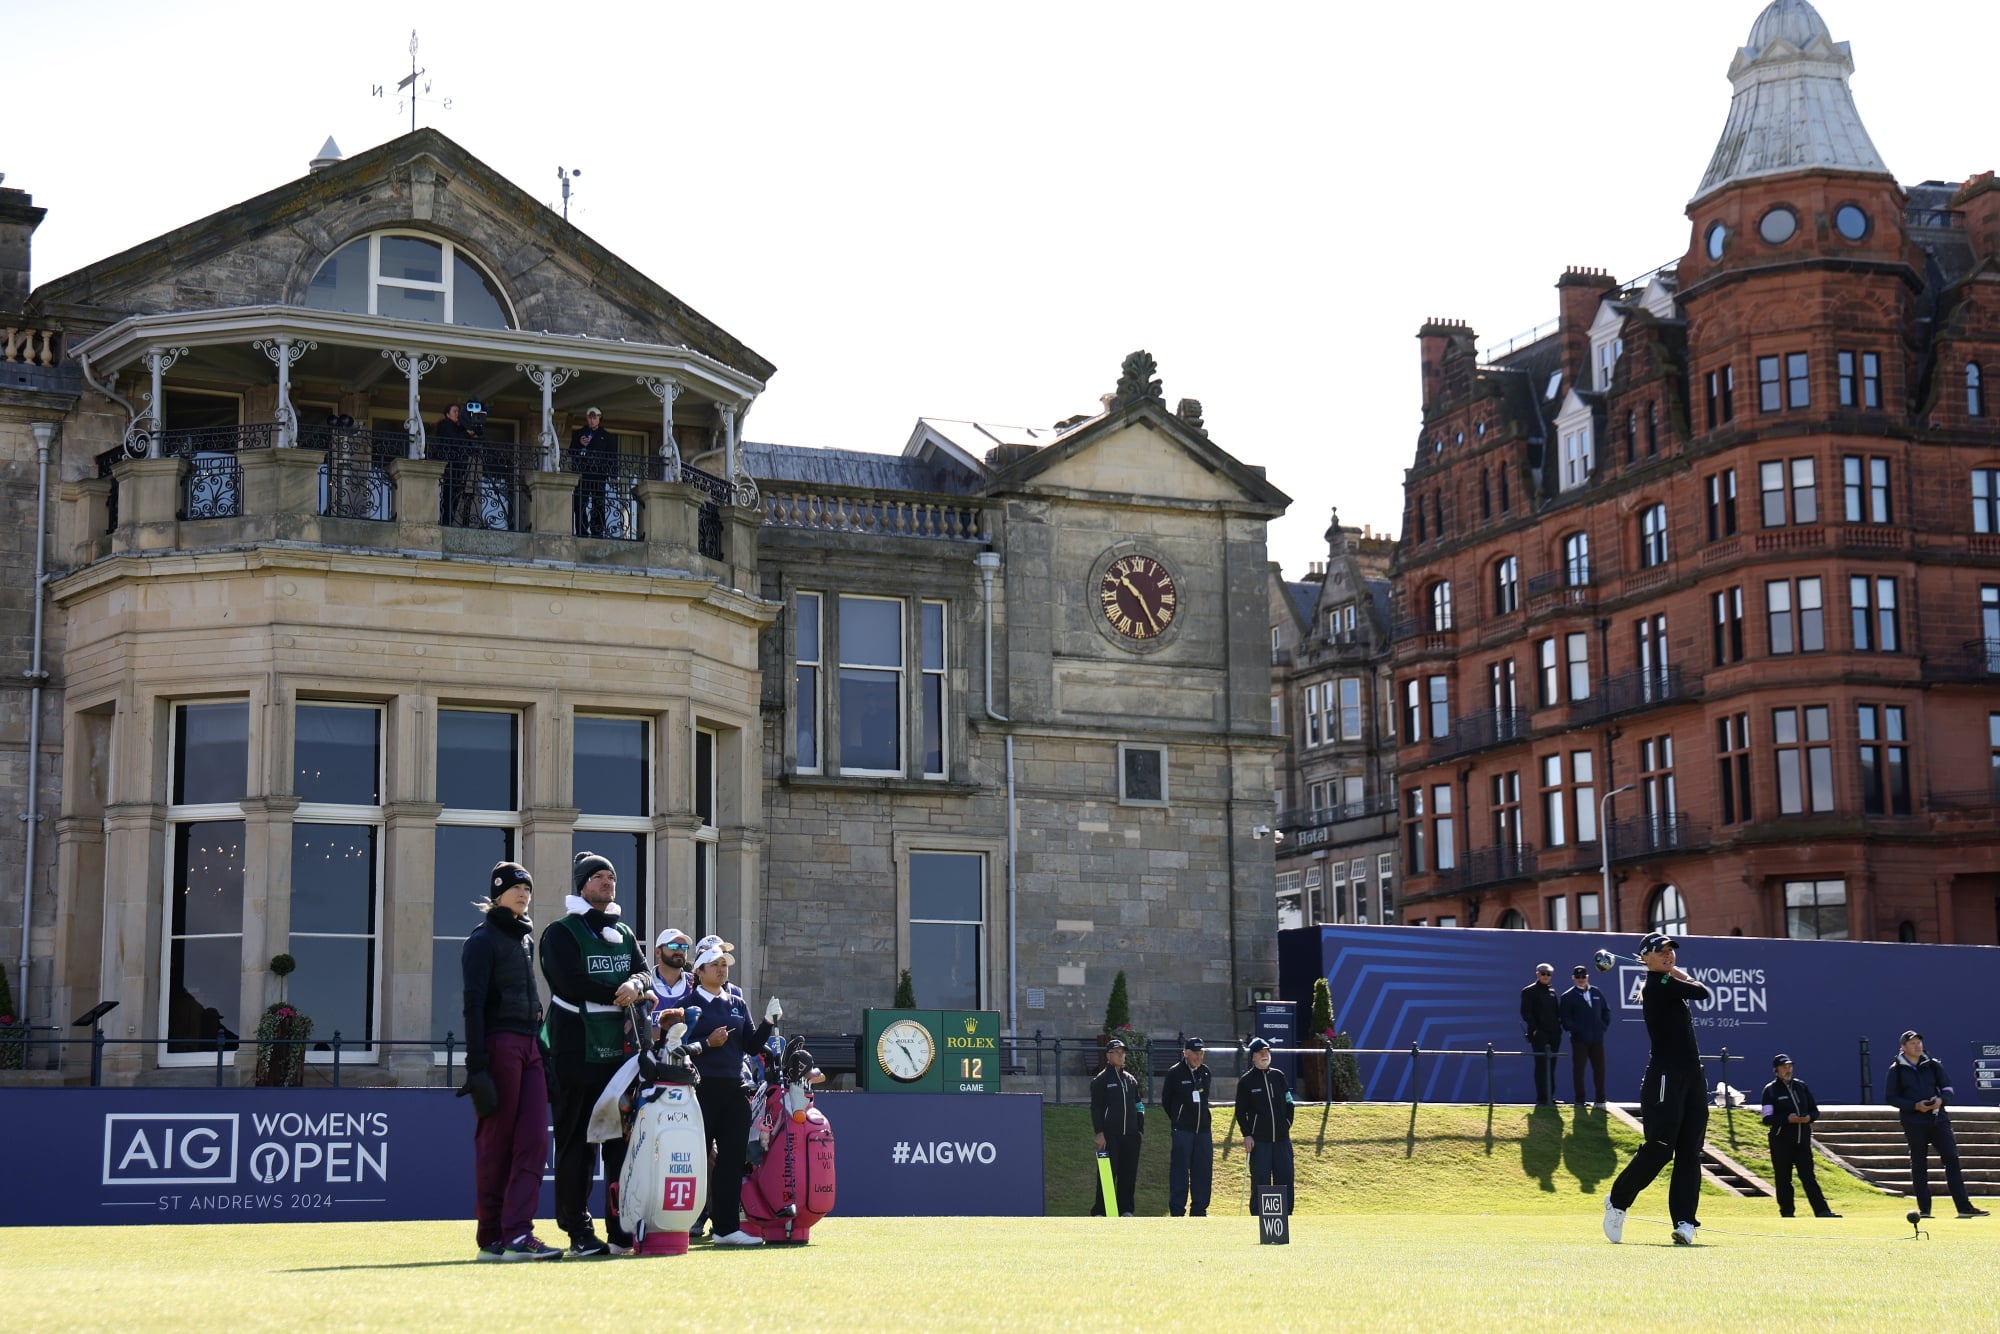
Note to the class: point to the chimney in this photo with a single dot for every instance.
(1580, 292)
(1979, 200)
(329, 156)
(1432, 341)
(18, 219)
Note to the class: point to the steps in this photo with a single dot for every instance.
(1868, 1141)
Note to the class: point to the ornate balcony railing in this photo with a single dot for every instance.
(1559, 588)
(354, 481)
(1476, 731)
(881, 514)
(485, 483)
(708, 532)
(1633, 691)
(1489, 866)
(212, 486)
(1655, 835)
(1301, 826)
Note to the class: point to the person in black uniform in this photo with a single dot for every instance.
(1118, 1115)
(593, 453)
(1542, 1021)
(1789, 1111)
(1184, 1093)
(1919, 1089)
(451, 442)
(1673, 1101)
(1264, 1115)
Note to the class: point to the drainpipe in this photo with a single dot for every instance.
(32, 818)
(988, 561)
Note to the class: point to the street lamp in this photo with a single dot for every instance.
(1604, 852)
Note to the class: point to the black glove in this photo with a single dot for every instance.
(485, 1097)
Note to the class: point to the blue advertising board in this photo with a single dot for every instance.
(155, 1155)
(1458, 990)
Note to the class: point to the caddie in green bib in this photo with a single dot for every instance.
(604, 1027)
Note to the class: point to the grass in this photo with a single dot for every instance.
(1441, 1218)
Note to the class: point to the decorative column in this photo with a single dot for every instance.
(548, 379)
(733, 471)
(666, 389)
(147, 426)
(283, 352)
(415, 365)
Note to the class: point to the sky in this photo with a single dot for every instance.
(977, 210)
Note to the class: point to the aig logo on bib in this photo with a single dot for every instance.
(169, 1149)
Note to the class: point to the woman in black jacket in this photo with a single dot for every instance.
(503, 1062)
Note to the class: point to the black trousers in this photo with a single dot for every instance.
(1674, 1109)
(1124, 1152)
(1545, 1069)
(1922, 1136)
(1587, 1053)
(1791, 1150)
(1190, 1172)
(576, 1156)
(725, 1119)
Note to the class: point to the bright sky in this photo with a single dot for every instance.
(976, 211)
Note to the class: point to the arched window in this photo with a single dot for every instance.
(1666, 912)
(1441, 605)
(1653, 536)
(406, 276)
(1506, 585)
(1576, 560)
(1511, 920)
(1975, 391)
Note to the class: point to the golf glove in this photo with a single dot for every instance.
(774, 1011)
(485, 1097)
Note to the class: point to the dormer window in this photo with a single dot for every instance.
(1576, 457)
(1607, 361)
(405, 276)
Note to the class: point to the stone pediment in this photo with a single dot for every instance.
(264, 251)
(1141, 450)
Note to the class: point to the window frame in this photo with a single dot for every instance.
(450, 252)
(810, 715)
(1165, 798)
(178, 815)
(901, 672)
(465, 817)
(637, 914)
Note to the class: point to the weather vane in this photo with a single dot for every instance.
(409, 82)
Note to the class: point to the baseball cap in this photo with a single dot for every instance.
(1114, 1045)
(1579, 971)
(711, 954)
(1909, 1033)
(1192, 1044)
(673, 935)
(1655, 941)
(1780, 1059)
(1541, 968)
(1258, 1044)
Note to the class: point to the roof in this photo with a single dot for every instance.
(1792, 109)
(1304, 595)
(857, 469)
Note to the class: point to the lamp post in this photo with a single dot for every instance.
(1604, 852)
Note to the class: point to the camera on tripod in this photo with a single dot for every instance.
(474, 413)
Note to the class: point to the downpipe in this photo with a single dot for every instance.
(988, 562)
(45, 433)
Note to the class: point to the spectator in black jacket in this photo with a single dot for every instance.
(1918, 1088)
(1264, 1115)
(1118, 1116)
(1586, 1016)
(1789, 1110)
(593, 456)
(1184, 1093)
(503, 1066)
(1542, 1021)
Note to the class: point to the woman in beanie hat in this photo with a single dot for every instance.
(503, 1065)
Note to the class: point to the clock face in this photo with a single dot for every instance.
(1137, 597)
(905, 1050)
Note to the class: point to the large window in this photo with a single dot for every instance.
(947, 922)
(1442, 840)
(1416, 843)
(932, 703)
(1885, 759)
(1722, 504)
(1576, 650)
(871, 685)
(1576, 560)
(1802, 744)
(1555, 829)
(1721, 396)
(336, 869)
(1798, 382)
(1873, 605)
(612, 786)
(1577, 457)
(1667, 911)
(1506, 585)
(806, 679)
(1975, 390)
(1795, 616)
(1986, 500)
(1860, 380)
(1506, 810)
(1770, 392)
(1788, 492)
(1656, 785)
(1439, 691)
(408, 277)
(1653, 536)
(204, 945)
(1413, 710)
(1726, 610)
(1440, 604)
(1732, 758)
(1865, 488)
(1816, 909)
(479, 787)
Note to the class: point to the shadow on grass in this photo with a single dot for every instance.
(1588, 1152)
(1541, 1147)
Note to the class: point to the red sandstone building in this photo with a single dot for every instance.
(1724, 548)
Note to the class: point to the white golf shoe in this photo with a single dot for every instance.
(739, 1238)
(1684, 1234)
(1614, 1222)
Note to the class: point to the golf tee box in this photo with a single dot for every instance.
(930, 1051)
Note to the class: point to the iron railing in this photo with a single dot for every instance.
(708, 531)
(1476, 731)
(485, 483)
(212, 486)
(354, 481)
(1635, 690)
(1488, 866)
(1653, 835)
(607, 500)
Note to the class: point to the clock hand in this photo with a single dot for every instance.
(1141, 597)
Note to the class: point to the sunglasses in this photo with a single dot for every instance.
(681, 945)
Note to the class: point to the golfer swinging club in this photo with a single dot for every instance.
(1673, 1104)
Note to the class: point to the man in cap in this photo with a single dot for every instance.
(1789, 1111)
(1673, 1100)
(1918, 1088)
(593, 457)
(1542, 1022)
(595, 968)
(1118, 1116)
(673, 977)
(1184, 1093)
(1264, 1115)
(1586, 1017)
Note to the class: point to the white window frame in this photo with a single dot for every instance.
(177, 816)
(447, 267)
(901, 671)
(940, 673)
(816, 706)
(1166, 792)
(314, 812)
(463, 818)
(707, 837)
(983, 924)
(587, 823)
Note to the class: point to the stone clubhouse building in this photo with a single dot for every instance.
(298, 654)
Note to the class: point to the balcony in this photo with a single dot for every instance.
(1317, 828)
(1973, 660)
(883, 514)
(1555, 588)
(1477, 731)
(1415, 637)
(1645, 836)
(1633, 692)
(1487, 866)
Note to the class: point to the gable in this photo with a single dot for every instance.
(1137, 457)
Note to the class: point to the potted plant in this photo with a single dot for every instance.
(1118, 1024)
(281, 1035)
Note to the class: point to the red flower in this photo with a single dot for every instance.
(286, 1012)
(6, 1019)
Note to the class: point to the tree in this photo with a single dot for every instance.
(906, 992)
(1118, 1014)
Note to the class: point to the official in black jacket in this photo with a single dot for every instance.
(1789, 1111)
(1541, 1021)
(1184, 1094)
(1264, 1115)
(593, 456)
(503, 1065)
(1919, 1089)
(1118, 1115)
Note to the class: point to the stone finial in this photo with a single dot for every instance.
(1135, 379)
(1189, 411)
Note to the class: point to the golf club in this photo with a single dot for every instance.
(1604, 959)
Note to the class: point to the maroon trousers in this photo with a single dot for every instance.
(510, 1146)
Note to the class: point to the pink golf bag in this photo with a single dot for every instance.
(790, 1187)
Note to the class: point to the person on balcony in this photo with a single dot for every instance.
(593, 457)
(451, 443)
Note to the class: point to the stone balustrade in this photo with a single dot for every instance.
(30, 347)
(882, 514)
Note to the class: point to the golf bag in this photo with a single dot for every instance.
(789, 1186)
(665, 1179)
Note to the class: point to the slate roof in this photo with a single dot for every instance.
(856, 469)
(1305, 597)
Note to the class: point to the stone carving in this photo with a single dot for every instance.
(1135, 379)
(1189, 411)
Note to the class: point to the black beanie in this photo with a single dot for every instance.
(586, 865)
(506, 875)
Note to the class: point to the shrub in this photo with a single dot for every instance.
(906, 992)
(281, 1036)
(1118, 1014)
